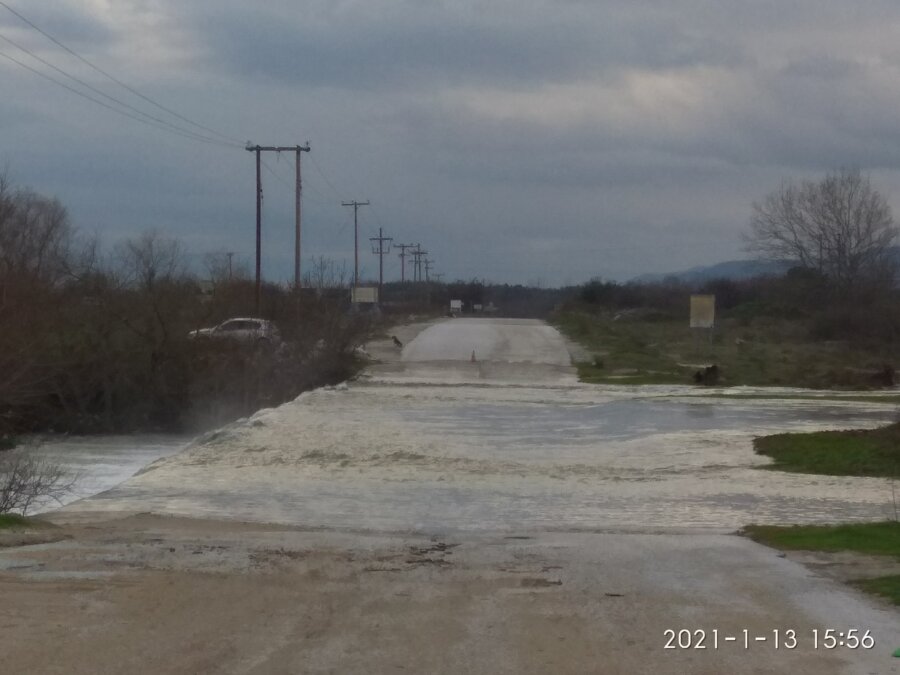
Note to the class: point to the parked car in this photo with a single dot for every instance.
(241, 330)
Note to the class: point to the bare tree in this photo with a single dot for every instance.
(839, 226)
(150, 259)
(37, 242)
(26, 481)
(325, 273)
(221, 267)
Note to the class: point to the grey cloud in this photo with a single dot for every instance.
(376, 54)
(68, 25)
(803, 87)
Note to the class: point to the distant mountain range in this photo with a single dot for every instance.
(730, 269)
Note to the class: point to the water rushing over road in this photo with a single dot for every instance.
(98, 463)
(425, 443)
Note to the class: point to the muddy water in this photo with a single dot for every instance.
(435, 458)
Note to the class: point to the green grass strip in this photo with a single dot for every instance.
(874, 452)
(887, 587)
(882, 538)
(10, 520)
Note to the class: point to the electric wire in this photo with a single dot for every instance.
(141, 116)
(189, 135)
(115, 79)
(321, 172)
(112, 98)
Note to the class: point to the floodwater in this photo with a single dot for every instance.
(382, 458)
(98, 463)
(424, 444)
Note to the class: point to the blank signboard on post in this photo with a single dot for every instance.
(703, 311)
(364, 295)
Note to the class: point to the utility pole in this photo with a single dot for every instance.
(258, 149)
(428, 264)
(380, 251)
(259, 196)
(355, 204)
(403, 255)
(297, 278)
(438, 276)
(417, 258)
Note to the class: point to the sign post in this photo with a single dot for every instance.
(703, 314)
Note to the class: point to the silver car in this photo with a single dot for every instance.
(241, 330)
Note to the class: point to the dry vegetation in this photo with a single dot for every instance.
(93, 343)
(770, 332)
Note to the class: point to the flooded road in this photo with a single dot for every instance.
(444, 515)
(430, 440)
(98, 463)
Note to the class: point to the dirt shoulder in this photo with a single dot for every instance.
(141, 593)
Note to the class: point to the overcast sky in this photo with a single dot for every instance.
(533, 141)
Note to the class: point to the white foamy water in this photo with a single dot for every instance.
(98, 463)
(445, 445)
(436, 458)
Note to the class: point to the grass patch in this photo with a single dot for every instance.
(874, 452)
(10, 520)
(756, 351)
(881, 538)
(890, 399)
(887, 587)
(867, 538)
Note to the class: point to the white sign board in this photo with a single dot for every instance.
(364, 294)
(703, 311)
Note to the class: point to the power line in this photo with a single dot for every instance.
(115, 79)
(321, 172)
(184, 134)
(320, 198)
(107, 96)
(281, 179)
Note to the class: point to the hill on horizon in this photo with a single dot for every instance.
(729, 269)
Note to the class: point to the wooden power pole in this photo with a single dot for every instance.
(380, 252)
(355, 204)
(258, 149)
(403, 255)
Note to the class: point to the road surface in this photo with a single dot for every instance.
(465, 507)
